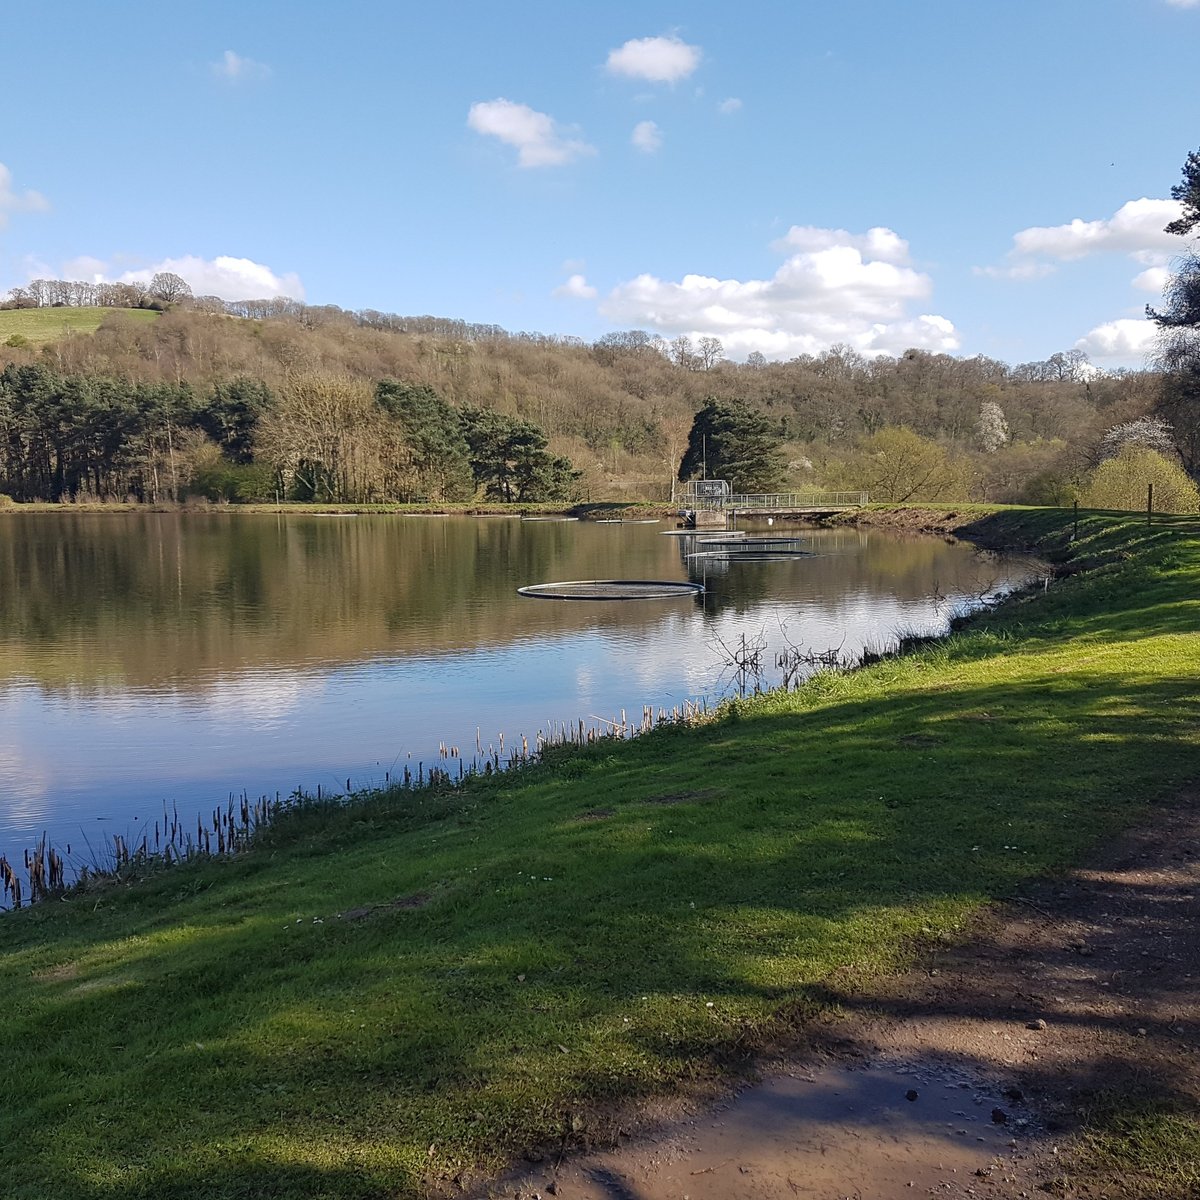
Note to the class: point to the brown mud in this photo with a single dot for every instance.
(972, 1075)
(948, 522)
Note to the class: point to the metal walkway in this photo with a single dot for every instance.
(710, 502)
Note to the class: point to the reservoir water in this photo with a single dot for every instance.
(154, 658)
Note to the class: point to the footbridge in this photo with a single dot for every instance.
(711, 504)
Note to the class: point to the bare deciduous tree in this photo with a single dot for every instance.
(327, 434)
(711, 352)
(683, 353)
(170, 288)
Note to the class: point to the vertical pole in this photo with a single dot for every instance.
(1075, 531)
(174, 474)
(1149, 501)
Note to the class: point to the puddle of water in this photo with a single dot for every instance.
(868, 1133)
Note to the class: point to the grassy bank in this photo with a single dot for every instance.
(381, 997)
(40, 325)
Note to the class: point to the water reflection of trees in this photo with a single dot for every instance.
(848, 568)
(149, 600)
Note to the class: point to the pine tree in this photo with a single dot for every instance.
(1188, 190)
(437, 448)
(1179, 327)
(730, 440)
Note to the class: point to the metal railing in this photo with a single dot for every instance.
(704, 494)
(797, 500)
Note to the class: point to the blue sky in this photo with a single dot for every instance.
(977, 176)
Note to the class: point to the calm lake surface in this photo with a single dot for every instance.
(179, 658)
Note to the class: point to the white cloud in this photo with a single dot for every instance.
(658, 59)
(537, 137)
(732, 105)
(576, 288)
(1183, 3)
(236, 68)
(86, 268)
(1152, 279)
(225, 276)
(834, 287)
(879, 243)
(1021, 271)
(647, 137)
(1135, 228)
(1126, 338)
(37, 268)
(12, 201)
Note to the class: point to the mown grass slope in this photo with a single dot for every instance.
(41, 325)
(616, 922)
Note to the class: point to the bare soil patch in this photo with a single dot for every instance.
(416, 900)
(907, 520)
(972, 1075)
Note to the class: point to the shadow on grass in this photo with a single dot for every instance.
(242, 1178)
(564, 964)
(809, 852)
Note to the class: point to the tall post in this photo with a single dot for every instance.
(1075, 530)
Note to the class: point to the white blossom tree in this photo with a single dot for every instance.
(992, 427)
(1151, 433)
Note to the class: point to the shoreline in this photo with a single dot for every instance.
(1031, 680)
(581, 509)
(228, 825)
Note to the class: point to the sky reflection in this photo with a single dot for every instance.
(375, 642)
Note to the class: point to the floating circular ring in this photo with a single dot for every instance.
(765, 554)
(612, 589)
(750, 542)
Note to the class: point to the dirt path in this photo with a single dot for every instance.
(967, 1077)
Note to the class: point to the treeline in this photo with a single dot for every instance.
(320, 437)
(164, 289)
(619, 409)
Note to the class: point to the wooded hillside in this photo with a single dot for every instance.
(249, 400)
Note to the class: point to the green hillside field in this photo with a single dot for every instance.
(41, 325)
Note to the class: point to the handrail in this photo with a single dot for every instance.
(787, 500)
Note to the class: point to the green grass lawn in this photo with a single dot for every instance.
(619, 921)
(40, 325)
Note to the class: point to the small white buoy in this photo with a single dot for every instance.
(770, 520)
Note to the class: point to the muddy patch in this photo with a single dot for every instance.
(416, 900)
(975, 1075)
(59, 973)
(693, 797)
(883, 1130)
